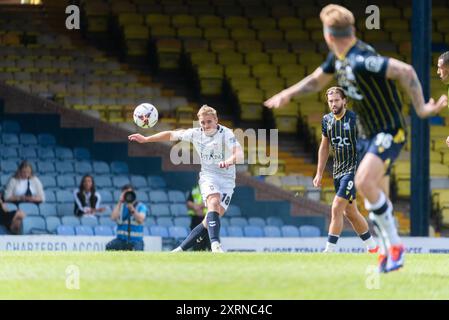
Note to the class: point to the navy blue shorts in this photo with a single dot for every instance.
(122, 245)
(386, 146)
(345, 188)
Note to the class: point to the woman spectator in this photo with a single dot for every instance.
(24, 186)
(12, 220)
(87, 200)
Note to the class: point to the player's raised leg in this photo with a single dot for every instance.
(368, 181)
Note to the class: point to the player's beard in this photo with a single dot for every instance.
(338, 111)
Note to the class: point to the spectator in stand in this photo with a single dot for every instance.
(12, 220)
(87, 200)
(24, 186)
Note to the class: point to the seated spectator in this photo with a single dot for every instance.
(87, 200)
(24, 186)
(12, 220)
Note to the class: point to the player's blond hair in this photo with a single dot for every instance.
(336, 16)
(206, 110)
(333, 90)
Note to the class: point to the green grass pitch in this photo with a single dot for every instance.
(45, 275)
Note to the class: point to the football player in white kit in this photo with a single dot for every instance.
(219, 151)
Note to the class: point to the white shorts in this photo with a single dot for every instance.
(224, 187)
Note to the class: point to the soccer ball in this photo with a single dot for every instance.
(145, 115)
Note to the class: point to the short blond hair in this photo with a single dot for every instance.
(334, 15)
(206, 110)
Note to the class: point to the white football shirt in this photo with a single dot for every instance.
(211, 149)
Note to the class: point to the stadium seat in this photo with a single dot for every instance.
(158, 210)
(106, 196)
(139, 182)
(47, 209)
(224, 222)
(156, 182)
(253, 231)
(33, 225)
(9, 126)
(10, 139)
(233, 211)
(178, 232)
(66, 181)
(52, 223)
(101, 167)
(83, 167)
(164, 221)
(274, 221)
(256, 221)
(30, 209)
(142, 196)
(64, 196)
(65, 209)
(176, 196)
(46, 139)
(63, 230)
(70, 221)
(158, 196)
(81, 154)
(272, 231)
(8, 166)
(224, 232)
(9, 152)
(120, 181)
(46, 153)
(27, 139)
(182, 221)
(103, 231)
(158, 231)
(89, 220)
(103, 182)
(84, 231)
(64, 167)
(235, 231)
(107, 221)
(289, 231)
(179, 210)
(309, 231)
(150, 221)
(119, 167)
(63, 153)
(238, 221)
(27, 152)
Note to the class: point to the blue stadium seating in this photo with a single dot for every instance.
(46, 139)
(182, 221)
(64, 230)
(309, 231)
(31, 209)
(89, 220)
(235, 231)
(28, 153)
(178, 232)
(9, 126)
(158, 196)
(45, 167)
(34, 225)
(48, 182)
(272, 231)
(178, 210)
(164, 221)
(106, 196)
(64, 196)
(52, 223)
(11, 206)
(103, 231)
(233, 211)
(224, 222)
(238, 221)
(142, 196)
(119, 167)
(150, 221)
(158, 210)
(256, 221)
(66, 181)
(101, 167)
(27, 139)
(274, 221)
(139, 182)
(253, 231)
(84, 231)
(70, 221)
(47, 209)
(289, 231)
(223, 232)
(8, 166)
(63, 153)
(81, 154)
(4, 178)
(158, 231)
(65, 209)
(156, 182)
(10, 139)
(103, 182)
(9, 152)
(107, 221)
(46, 153)
(83, 167)
(4, 230)
(176, 196)
(120, 181)
(64, 167)
(146, 232)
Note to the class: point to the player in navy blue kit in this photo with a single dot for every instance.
(339, 129)
(368, 79)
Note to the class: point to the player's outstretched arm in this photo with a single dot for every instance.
(236, 157)
(406, 75)
(161, 136)
(323, 155)
(312, 83)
